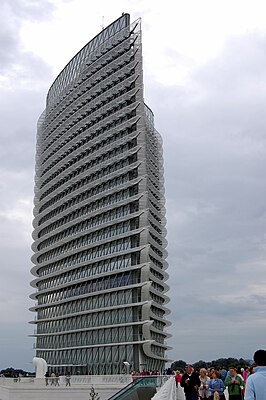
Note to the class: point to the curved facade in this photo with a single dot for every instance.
(99, 217)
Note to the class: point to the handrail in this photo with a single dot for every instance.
(147, 381)
(167, 391)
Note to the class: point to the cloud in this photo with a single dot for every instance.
(16, 347)
(13, 16)
(22, 10)
(214, 150)
(24, 80)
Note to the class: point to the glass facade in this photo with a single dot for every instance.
(99, 216)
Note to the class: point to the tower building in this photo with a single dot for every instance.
(99, 217)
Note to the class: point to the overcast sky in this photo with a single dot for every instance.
(205, 80)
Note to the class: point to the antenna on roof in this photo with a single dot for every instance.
(102, 26)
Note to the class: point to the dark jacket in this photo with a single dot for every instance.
(193, 381)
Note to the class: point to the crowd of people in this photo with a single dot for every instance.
(144, 372)
(211, 383)
(247, 383)
(53, 379)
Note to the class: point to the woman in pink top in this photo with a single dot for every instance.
(178, 377)
(245, 373)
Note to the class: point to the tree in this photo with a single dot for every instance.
(217, 364)
(180, 364)
(12, 372)
(200, 364)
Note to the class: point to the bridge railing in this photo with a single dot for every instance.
(138, 382)
(96, 380)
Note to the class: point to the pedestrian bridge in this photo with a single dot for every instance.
(108, 387)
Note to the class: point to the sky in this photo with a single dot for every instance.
(205, 79)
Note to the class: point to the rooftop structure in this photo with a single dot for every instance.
(99, 217)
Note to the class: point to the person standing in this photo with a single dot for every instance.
(216, 386)
(68, 379)
(52, 379)
(223, 373)
(234, 384)
(204, 384)
(190, 382)
(57, 379)
(178, 377)
(46, 378)
(256, 383)
(245, 373)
